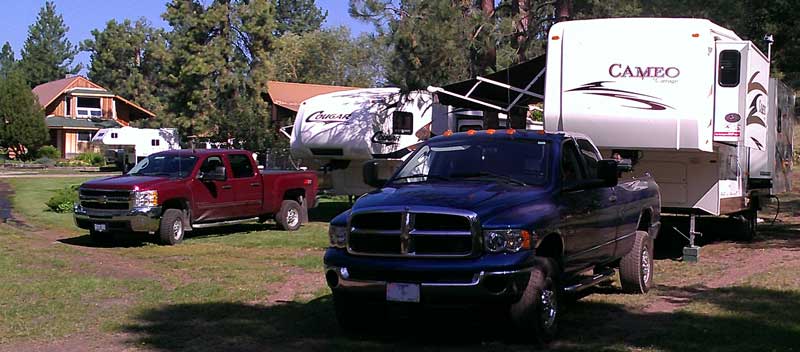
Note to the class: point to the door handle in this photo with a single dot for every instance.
(255, 184)
(226, 186)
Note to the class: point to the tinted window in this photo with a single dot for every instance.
(570, 164)
(240, 165)
(590, 157)
(729, 63)
(402, 122)
(211, 164)
(165, 165)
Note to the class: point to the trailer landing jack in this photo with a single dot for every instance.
(691, 253)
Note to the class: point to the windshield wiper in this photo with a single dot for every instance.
(491, 174)
(442, 178)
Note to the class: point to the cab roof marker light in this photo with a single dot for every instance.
(511, 131)
(555, 37)
(695, 35)
(447, 133)
(490, 131)
(471, 132)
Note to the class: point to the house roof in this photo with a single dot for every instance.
(289, 95)
(50, 91)
(59, 122)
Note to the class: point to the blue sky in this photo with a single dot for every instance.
(84, 15)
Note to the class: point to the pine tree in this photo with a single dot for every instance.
(129, 59)
(7, 60)
(298, 16)
(47, 54)
(22, 128)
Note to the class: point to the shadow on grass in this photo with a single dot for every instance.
(326, 211)
(739, 319)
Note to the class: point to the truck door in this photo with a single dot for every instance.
(588, 213)
(247, 186)
(211, 198)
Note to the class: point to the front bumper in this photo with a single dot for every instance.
(488, 279)
(135, 220)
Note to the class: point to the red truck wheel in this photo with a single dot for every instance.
(171, 230)
(290, 216)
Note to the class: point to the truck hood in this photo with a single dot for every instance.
(487, 200)
(127, 182)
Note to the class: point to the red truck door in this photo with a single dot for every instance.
(248, 189)
(212, 199)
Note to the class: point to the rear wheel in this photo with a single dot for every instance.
(636, 267)
(172, 230)
(749, 221)
(535, 315)
(289, 217)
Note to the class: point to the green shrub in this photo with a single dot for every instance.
(63, 200)
(49, 152)
(72, 163)
(92, 158)
(45, 161)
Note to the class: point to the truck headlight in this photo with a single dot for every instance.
(497, 241)
(144, 199)
(337, 236)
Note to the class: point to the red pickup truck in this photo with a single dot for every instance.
(175, 191)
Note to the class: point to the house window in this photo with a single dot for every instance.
(84, 136)
(68, 103)
(155, 142)
(88, 107)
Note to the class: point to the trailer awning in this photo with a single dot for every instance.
(512, 89)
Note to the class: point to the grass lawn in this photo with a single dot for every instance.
(250, 287)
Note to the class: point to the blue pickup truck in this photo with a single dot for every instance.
(506, 217)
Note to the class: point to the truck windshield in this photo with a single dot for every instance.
(165, 165)
(520, 162)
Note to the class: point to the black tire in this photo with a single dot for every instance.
(101, 238)
(535, 316)
(289, 217)
(636, 267)
(749, 221)
(171, 230)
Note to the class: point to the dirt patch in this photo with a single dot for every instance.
(297, 284)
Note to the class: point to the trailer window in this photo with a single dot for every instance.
(402, 122)
(729, 66)
(155, 142)
(240, 165)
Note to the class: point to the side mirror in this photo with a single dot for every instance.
(607, 171)
(370, 173)
(625, 165)
(218, 174)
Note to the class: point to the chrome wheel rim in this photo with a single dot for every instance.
(645, 266)
(292, 217)
(177, 229)
(549, 306)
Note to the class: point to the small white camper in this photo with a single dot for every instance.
(125, 146)
(689, 101)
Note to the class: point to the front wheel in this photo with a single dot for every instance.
(537, 311)
(289, 217)
(171, 230)
(636, 267)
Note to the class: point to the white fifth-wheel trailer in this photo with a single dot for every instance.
(688, 101)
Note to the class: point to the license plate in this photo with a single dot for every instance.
(100, 227)
(402, 292)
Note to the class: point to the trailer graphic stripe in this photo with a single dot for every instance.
(597, 88)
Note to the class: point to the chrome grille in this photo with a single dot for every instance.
(105, 199)
(412, 234)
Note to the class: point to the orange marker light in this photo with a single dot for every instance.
(695, 35)
(447, 133)
(471, 133)
(511, 131)
(526, 239)
(490, 131)
(555, 37)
